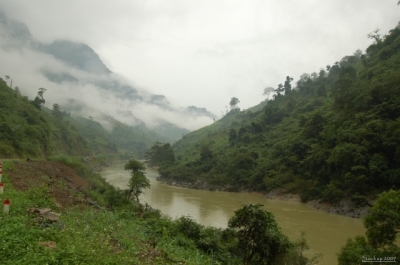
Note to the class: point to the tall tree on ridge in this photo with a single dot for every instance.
(233, 103)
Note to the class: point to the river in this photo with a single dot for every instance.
(326, 233)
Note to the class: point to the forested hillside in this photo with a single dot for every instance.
(29, 129)
(336, 134)
(129, 141)
(26, 130)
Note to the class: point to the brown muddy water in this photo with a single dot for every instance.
(326, 233)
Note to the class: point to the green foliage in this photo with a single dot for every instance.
(39, 101)
(383, 220)
(100, 190)
(189, 227)
(74, 162)
(160, 154)
(25, 131)
(99, 140)
(288, 86)
(297, 255)
(232, 136)
(56, 112)
(205, 154)
(85, 236)
(260, 240)
(131, 140)
(383, 226)
(29, 129)
(354, 250)
(138, 181)
(134, 166)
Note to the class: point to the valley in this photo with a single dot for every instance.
(74, 134)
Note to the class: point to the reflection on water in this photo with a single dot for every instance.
(326, 233)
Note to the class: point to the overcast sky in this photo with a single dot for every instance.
(203, 52)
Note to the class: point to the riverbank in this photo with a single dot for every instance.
(345, 207)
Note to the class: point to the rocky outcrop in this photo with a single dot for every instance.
(344, 207)
(199, 185)
(281, 195)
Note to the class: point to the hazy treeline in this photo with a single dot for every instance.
(29, 129)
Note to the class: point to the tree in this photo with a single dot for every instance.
(304, 80)
(160, 154)
(138, 181)
(56, 112)
(383, 220)
(383, 227)
(233, 103)
(260, 240)
(375, 36)
(272, 114)
(314, 76)
(296, 255)
(39, 101)
(279, 89)
(288, 86)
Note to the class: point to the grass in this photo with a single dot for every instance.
(86, 236)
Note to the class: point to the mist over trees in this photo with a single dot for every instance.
(30, 129)
(66, 67)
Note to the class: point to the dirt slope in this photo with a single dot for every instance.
(64, 184)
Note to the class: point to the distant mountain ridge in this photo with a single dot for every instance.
(200, 111)
(95, 73)
(78, 55)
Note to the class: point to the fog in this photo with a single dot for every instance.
(26, 66)
(199, 53)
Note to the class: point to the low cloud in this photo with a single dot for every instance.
(203, 53)
(26, 68)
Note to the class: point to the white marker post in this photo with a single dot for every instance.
(6, 206)
(1, 187)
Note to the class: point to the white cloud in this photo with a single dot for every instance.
(203, 53)
(25, 68)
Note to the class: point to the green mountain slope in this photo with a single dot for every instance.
(28, 129)
(336, 135)
(25, 130)
(222, 124)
